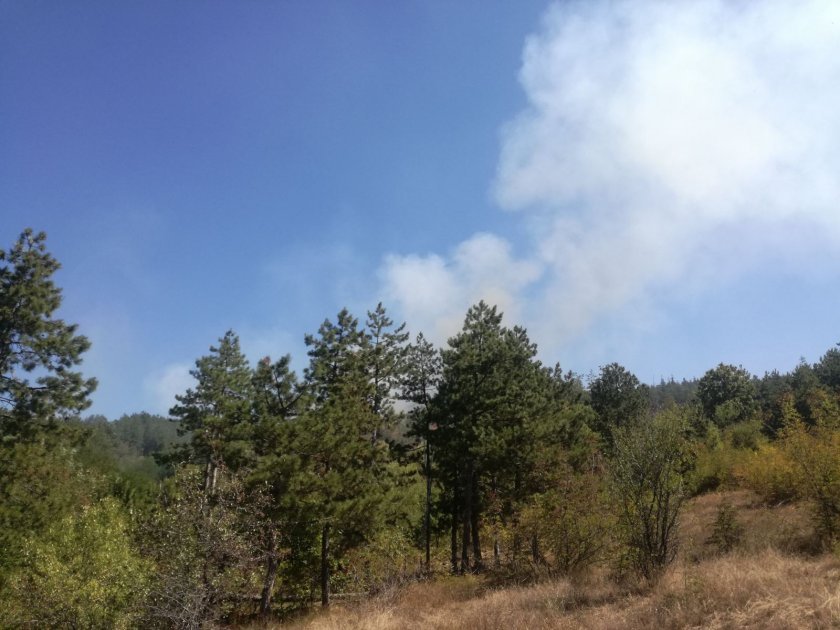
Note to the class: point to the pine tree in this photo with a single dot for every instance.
(40, 480)
(276, 407)
(492, 391)
(33, 340)
(217, 411)
(420, 382)
(342, 474)
(385, 359)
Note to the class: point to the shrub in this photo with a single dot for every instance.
(770, 473)
(81, 573)
(815, 454)
(727, 532)
(648, 470)
(573, 522)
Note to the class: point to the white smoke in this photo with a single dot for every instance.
(665, 145)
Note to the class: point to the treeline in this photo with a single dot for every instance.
(385, 460)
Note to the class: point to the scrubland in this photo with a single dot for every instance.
(774, 578)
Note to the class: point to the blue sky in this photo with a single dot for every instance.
(634, 181)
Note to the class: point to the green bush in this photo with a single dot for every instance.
(82, 572)
(648, 475)
(770, 473)
(573, 522)
(727, 532)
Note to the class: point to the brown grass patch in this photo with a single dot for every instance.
(770, 590)
(788, 527)
(762, 585)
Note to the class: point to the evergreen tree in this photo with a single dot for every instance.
(618, 398)
(420, 382)
(33, 340)
(218, 410)
(491, 393)
(727, 395)
(276, 407)
(342, 471)
(385, 359)
(40, 479)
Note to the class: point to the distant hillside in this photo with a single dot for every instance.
(130, 443)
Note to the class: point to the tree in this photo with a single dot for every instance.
(277, 397)
(218, 410)
(648, 469)
(828, 369)
(492, 390)
(727, 395)
(33, 340)
(205, 559)
(420, 382)
(618, 398)
(342, 472)
(384, 358)
(39, 391)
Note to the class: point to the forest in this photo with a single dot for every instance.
(268, 496)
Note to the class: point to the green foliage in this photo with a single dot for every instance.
(815, 454)
(618, 399)
(341, 477)
(386, 561)
(81, 572)
(492, 393)
(727, 395)
(204, 548)
(828, 369)
(771, 474)
(648, 470)
(218, 410)
(32, 340)
(671, 392)
(727, 532)
(573, 521)
(384, 358)
(40, 484)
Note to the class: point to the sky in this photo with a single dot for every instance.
(646, 182)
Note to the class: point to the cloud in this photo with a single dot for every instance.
(666, 146)
(161, 386)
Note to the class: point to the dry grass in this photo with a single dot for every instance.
(786, 528)
(763, 585)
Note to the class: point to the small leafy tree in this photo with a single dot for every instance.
(648, 479)
(573, 520)
(83, 572)
(205, 549)
(815, 453)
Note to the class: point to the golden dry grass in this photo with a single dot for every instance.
(763, 585)
(787, 527)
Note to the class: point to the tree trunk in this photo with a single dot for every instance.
(454, 534)
(325, 566)
(211, 474)
(478, 563)
(270, 574)
(428, 521)
(466, 513)
(535, 549)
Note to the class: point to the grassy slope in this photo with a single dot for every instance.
(770, 582)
